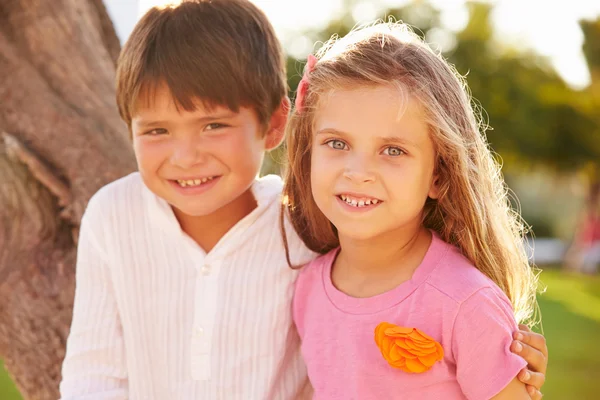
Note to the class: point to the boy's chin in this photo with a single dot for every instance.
(194, 211)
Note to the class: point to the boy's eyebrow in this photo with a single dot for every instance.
(217, 115)
(210, 117)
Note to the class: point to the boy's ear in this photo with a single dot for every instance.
(276, 129)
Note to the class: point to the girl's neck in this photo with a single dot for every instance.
(370, 267)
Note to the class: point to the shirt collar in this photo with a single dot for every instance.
(266, 191)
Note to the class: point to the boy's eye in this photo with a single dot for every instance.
(393, 151)
(337, 144)
(155, 132)
(214, 125)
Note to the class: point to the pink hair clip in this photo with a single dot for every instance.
(311, 61)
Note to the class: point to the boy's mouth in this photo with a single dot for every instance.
(359, 201)
(194, 182)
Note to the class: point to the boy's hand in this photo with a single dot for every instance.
(532, 347)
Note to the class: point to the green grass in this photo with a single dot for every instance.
(571, 322)
(8, 391)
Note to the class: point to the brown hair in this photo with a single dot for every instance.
(472, 211)
(220, 52)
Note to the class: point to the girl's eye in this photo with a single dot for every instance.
(393, 151)
(156, 132)
(337, 144)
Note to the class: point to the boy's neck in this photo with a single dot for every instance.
(207, 230)
(369, 268)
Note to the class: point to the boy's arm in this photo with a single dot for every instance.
(94, 365)
(515, 390)
(532, 347)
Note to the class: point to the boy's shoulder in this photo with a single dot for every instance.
(120, 196)
(458, 278)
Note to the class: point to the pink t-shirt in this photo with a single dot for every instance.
(447, 298)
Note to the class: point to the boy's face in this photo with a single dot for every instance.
(202, 160)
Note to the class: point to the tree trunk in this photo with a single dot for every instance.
(61, 139)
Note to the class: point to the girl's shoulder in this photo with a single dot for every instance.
(321, 261)
(458, 278)
(313, 271)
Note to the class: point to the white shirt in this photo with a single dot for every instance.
(155, 317)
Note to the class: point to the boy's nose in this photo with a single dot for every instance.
(186, 155)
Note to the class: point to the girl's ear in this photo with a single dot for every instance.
(276, 129)
(434, 189)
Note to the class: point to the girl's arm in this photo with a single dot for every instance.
(94, 366)
(514, 391)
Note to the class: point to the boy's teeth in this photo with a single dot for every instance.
(193, 182)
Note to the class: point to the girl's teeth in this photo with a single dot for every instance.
(358, 203)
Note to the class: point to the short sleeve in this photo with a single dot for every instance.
(481, 342)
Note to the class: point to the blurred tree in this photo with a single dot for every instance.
(60, 140)
(591, 50)
(587, 233)
(535, 117)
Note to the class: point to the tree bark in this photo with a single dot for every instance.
(61, 139)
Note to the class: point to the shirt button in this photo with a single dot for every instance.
(199, 331)
(205, 270)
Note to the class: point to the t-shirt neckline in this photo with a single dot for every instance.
(386, 300)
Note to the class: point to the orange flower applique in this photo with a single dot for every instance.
(408, 349)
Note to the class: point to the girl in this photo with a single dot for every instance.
(423, 270)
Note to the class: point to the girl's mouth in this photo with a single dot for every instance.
(359, 202)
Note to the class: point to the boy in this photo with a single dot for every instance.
(183, 289)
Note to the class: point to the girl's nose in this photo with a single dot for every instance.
(359, 170)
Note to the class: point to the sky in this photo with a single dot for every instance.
(550, 28)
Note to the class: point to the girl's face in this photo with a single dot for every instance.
(372, 165)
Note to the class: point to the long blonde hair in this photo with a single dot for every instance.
(472, 211)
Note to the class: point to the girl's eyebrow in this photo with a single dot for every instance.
(329, 131)
(397, 140)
